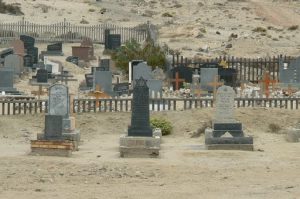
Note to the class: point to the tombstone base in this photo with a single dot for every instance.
(227, 143)
(293, 135)
(51, 148)
(139, 147)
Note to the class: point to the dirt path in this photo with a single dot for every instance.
(276, 13)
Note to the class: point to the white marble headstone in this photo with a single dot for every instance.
(59, 100)
(225, 104)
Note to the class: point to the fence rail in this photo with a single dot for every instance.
(124, 105)
(67, 32)
(247, 69)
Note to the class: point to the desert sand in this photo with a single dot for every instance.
(184, 168)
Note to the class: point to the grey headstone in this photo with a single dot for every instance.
(59, 103)
(207, 76)
(140, 117)
(155, 88)
(141, 70)
(289, 72)
(104, 80)
(16, 62)
(53, 127)
(6, 79)
(225, 104)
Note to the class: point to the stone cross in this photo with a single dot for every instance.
(225, 104)
(140, 116)
(215, 84)
(177, 81)
(266, 81)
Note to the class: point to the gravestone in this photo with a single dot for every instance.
(130, 69)
(104, 64)
(140, 117)
(18, 46)
(73, 60)
(6, 52)
(94, 69)
(89, 80)
(224, 123)
(142, 70)
(121, 88)
(87, 42)
(207, 75)
(140, 140)
(28, 61)
(289, 73)
(28, 41)
(155, 88)
(106, 34)
(7, 79)
(42, 76)
(59, 100)
(56, 65)
(34, 52)
(104, 80)
(53, 127)
(15, 62)
(114, 41)
(55, 48)
(82, 52)
(195, 87)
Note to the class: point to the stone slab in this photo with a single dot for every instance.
(51, 148)
(242, 147)
(139, 146)
(51, 152)
(227, 126)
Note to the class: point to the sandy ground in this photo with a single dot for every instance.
(200, 28)
(184, 170)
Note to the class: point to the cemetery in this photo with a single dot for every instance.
(111, 110)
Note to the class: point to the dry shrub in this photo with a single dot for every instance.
(274, 128)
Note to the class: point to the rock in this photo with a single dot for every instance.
(218, 33)
(292, 136)
(228, 46)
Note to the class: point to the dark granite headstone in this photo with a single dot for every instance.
(89, 79)
(42, 76)
(114, 41)
(57, 48)
(34, 52)
(28, 61)
(6, 52)
(140, 118)
(53, 127)
(28, 41)
(104, 64)
(73, 59)
(121, 88)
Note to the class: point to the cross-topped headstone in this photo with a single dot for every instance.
(140, 117)
(177, 81)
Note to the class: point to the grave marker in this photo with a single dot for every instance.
(18, 46)
(15, 62)
(177, 81)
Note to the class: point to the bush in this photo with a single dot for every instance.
(274, 128)
(295, 27)
(163, 124)
(153, 54)
(10, 9)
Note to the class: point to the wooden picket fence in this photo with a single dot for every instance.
(24, 107)
(247, 69)
(67, 32)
